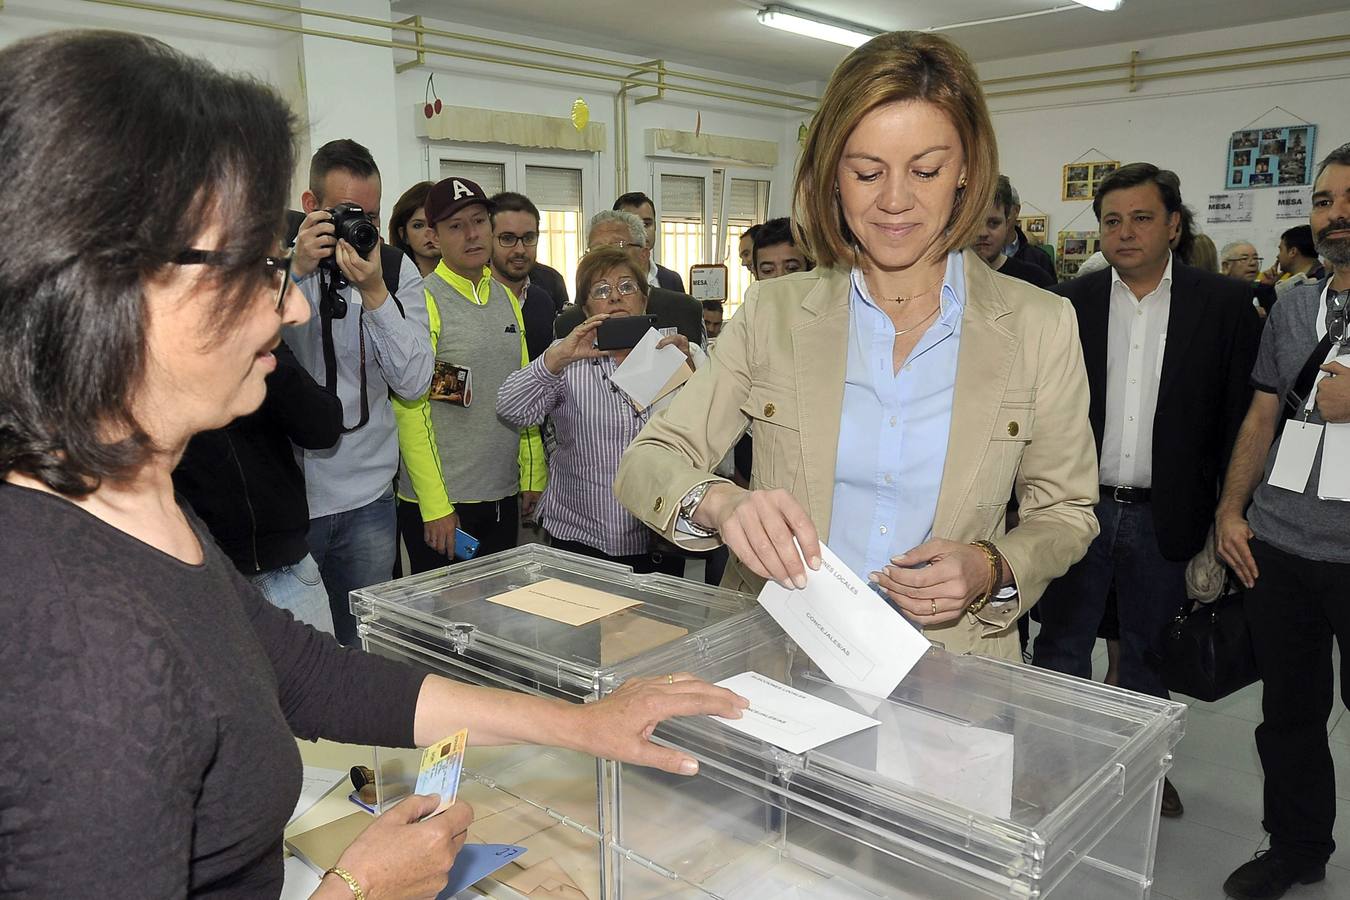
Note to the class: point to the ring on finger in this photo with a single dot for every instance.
(670, 679)
(935, 607)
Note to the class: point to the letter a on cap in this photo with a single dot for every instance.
(462, 190)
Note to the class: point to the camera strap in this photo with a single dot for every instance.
(330, 300)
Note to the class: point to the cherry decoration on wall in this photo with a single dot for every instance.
(431, 109)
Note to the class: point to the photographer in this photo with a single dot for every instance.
(363, 342)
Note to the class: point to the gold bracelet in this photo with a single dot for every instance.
(347, 877)
(992, 555)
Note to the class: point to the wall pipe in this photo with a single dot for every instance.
(640, 71)
(655, 67)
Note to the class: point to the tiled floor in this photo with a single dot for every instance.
(1218, 776)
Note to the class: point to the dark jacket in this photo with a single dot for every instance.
(1203, 393)
(1015, 268)
(243, 481)
(538, 311)
(669, 279)
(672, 310)
(552, 282)
(1032, 255)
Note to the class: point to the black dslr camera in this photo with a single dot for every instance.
(351, 224)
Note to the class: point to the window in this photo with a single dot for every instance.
(491, 177)
(557, 193)
(681, 231)
(699, 225)
(748, 204)
(560, 185)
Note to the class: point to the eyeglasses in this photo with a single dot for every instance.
(1244, 259)
(620, 245)
(627, 287)
(273, 264)
(508, 240)
(1337, 302)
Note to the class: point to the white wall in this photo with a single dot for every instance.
(341, 89)
(474, 84)
(1180, 124)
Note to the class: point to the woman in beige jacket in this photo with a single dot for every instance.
(902, 391)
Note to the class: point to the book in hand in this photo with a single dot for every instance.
(452, 384)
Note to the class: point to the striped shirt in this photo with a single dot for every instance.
(594, 423)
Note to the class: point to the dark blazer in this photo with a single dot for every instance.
(1032, 255)
(552, 282)
(1212, 337)
(669, 279)
(671, 309)
(1015, 268)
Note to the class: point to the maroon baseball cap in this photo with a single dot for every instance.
(450, 195)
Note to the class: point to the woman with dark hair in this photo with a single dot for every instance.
(150, 694)
(593, 420)
(409, 231)
(901, 391)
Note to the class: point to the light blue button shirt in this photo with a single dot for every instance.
(894, 428)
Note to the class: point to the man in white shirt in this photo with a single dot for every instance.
(1169, 349)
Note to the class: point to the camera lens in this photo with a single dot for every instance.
(363, 237)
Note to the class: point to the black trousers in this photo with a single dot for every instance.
(1296, 608)
(641, 563)
(493, 522)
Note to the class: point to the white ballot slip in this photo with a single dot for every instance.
(858, 639)
(647, 370)
(1294, 459)
(789, 718)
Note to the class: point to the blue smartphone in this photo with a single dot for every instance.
(466, 545)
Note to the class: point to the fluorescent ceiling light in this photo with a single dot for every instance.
(1100, 5)
(811, 25)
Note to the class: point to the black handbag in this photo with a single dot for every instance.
(1207, 651)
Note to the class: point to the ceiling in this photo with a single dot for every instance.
(724, 35)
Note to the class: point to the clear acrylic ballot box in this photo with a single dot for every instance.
(983, 779)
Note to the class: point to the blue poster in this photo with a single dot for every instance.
(1271, 157)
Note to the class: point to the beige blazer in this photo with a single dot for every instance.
(1020, 421)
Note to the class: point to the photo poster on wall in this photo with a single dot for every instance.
(1074, 247)
(1270, 157)
(1081, 179)
(1034, 227)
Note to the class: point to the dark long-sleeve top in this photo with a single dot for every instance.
(147, 709)
(243, 479)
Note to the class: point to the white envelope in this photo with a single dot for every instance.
(647, 370)
(858, 639)
(789, 718)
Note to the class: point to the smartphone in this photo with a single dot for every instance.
(622, 332)
(466, 545)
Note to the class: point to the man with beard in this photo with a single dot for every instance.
(1291, 550)
(515, 244)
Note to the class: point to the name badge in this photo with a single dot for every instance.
(1294, 460)
(1334, 481)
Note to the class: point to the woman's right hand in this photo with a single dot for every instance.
(400, 857)
(580, 344)
(759, 527)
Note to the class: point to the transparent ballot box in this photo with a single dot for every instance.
(448, 621)
(984, 779)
